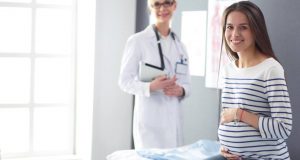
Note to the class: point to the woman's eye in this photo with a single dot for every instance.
(229, 27)
(243, 27)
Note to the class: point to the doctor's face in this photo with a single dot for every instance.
(162, 10)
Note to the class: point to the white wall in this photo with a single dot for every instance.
(115, 21)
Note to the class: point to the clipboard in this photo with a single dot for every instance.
(148, 72)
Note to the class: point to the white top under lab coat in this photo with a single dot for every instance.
(157, 118)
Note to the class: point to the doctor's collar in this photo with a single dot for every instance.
(171, 33)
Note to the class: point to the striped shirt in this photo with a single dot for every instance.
(262, 90)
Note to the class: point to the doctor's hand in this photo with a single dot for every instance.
(225, 153)
(162, 82)
(174, 90)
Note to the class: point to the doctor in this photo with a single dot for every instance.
(157, 113)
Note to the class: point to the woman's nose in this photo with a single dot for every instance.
(236, 32)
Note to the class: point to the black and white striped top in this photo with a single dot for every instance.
(262, 90)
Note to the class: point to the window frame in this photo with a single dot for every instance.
(83, 49)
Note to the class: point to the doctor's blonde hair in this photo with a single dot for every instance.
(149, 2)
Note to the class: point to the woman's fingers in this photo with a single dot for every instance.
(227, 155)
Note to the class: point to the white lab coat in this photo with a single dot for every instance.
(158, 118)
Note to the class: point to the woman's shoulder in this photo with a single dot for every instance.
(273, 69)
(272, 64)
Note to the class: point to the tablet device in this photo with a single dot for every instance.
(148, 72)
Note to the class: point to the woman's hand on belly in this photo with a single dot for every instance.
(227, 155)
(228, 115)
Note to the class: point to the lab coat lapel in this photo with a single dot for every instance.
(169, 58)
(171, 55)
(151, 37)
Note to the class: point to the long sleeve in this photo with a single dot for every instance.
(128, 79)
(279, 124)
(185, 80)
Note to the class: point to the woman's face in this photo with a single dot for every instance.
(238, 34)
(162, 10)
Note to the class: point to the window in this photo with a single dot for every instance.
(39, 53)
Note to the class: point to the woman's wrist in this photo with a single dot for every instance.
(239, 114)
(235, 116)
